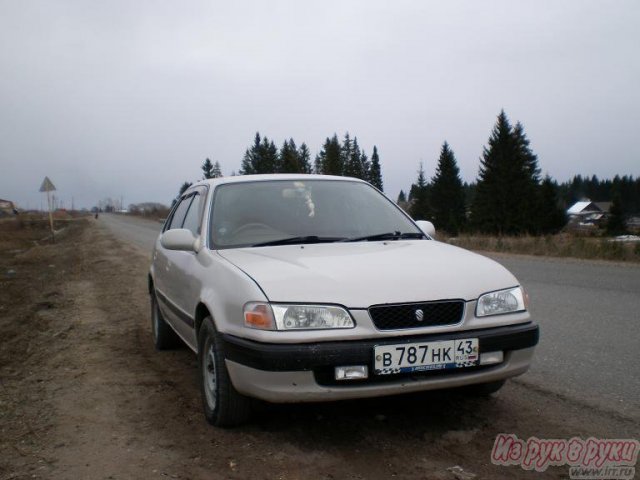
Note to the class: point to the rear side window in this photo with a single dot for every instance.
(192, 219)
(179, 214)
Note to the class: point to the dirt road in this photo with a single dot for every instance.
(84, 395)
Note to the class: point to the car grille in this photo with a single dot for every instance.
(407, 315)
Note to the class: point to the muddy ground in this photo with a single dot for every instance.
(83, 394)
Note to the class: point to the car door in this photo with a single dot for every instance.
(180, 286)
(164, 267)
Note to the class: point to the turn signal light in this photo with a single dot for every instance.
(258, 315)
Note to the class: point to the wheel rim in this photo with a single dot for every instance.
(209, 375)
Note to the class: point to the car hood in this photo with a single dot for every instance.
(358, 275)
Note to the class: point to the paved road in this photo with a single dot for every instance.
(589, 314)
(137, 231)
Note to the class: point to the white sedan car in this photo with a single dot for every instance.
(296, 288)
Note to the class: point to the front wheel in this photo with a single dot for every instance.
(223, 405)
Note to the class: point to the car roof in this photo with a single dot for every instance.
(272, 176)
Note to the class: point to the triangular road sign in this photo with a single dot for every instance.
(47, 185)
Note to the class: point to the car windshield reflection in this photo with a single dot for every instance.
(282, 212)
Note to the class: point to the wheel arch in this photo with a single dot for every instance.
(202, 312)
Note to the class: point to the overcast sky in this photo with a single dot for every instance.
(112, 98)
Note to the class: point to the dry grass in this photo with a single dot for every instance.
(29, 229)
(20, 232)
(561, 245)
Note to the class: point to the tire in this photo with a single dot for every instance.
(486, 389)
(164, 338)
(223, 405)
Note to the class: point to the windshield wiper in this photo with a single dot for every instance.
(386, 236)
(298, 240)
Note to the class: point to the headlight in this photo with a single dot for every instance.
(502, 301)
(295, 317)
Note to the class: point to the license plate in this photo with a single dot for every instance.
(418, 357)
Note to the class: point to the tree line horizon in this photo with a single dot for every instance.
(508, 197)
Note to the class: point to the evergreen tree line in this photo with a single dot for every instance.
(335, 158)
(347, 159)
(581, 188)
(211, 170)
(263, 157)
(509, 197)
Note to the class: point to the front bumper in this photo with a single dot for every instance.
(304, 372)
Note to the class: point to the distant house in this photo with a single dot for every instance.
(7, 207)
(604, 206)
(6, 204)
(588, 213)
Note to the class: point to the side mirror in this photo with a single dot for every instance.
(427, 227)
(178, 239)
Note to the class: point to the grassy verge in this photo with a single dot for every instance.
(561, 245)
(29, 229)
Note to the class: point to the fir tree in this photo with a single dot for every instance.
(616, 224)
(352, 158)
(366, 166)
(375, 172)
(507, 190)
(304, 157)
(402, 198)
(269, 160)
(552, 216)
(289, 162)
(217, 170)
(207, 169)
(261, 157)
(317, 164)
(346, 149)
(420, 209)
(251, 158)
(330, 157)
(490, 210)
(529, 161)
(447, 194)
(526, 181)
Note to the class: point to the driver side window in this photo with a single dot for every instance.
(193, 216)
(179, 213)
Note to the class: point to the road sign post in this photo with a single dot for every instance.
(48, 187)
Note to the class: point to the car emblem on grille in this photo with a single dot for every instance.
(419, 315)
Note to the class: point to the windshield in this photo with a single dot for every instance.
(313, 211)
